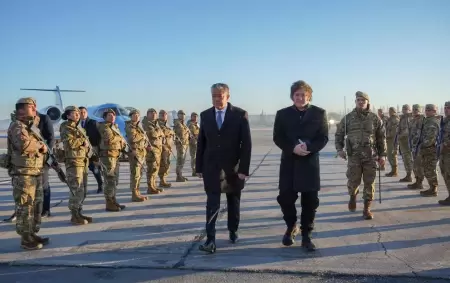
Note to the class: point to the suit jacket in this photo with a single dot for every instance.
(46, 127)
(300, 173)
(91, 131)
(228, 149)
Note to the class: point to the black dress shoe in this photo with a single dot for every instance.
(209, 246)
(309, 246)
(45, 214)
(289, 236)
(234, 237)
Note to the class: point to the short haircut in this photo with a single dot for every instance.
(221, 86)
(300, 85)
(82, 107)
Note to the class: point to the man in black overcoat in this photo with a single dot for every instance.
(300, 131)
(223, 160)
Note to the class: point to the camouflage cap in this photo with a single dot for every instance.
(430, 107)
(162, 111)
(362, 94)
(151, 110)
(181, 112)
(26, 100)
(416, 107)
(447, 104)
(109, 110)
(406, 107)
(71, 108)
(134, 111)
(392, 109)
(194, 114)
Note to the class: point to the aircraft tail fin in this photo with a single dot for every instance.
(57, 92)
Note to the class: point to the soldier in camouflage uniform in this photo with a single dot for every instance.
(111, 145)
(428, 150)
(27, 157)
(403, 141)
(181, 143)
(383, 119)
(164, 166)
(365, 144)
(392, 148)
(194, 130)
(444, 149)
(155, 135)
(414, 136)
(76, 149)
(137, 139)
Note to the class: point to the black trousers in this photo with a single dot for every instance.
(97, 173)
(213, 205)
(309, 202)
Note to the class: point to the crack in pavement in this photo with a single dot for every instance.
(202, 234)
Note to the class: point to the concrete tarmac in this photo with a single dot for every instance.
(407, 240)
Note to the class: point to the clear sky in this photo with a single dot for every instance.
(166, 54)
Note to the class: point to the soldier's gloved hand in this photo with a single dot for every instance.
(381, 160)
(149, 148)
(43, 148)
(342, 154)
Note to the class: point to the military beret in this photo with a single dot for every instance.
(194, 114)
(447, 104)
(430, 107)
(26, 100)
(406, 106)
(392, 109)
(416, 107)
(71, 108)
(162, 111)
(181, 112)
(134, 111)
(362, 94)
(109, 110)
(151, 110)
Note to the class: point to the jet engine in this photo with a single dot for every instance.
(53, 112)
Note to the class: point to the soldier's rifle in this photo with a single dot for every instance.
(419, 141)
(127, 150)
(440, 137)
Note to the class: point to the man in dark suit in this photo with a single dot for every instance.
(48, 133)
(223, 160)
(300, 131)
(94, 138)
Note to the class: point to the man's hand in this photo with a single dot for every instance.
(241, 176)
(342, 154)
(200, 175)
(301, 149)
(133, 153)
(381, 160)
(43, 148)
(149, 148)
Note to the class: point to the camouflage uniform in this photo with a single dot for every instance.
(111, 146)
(181, 143)
(366, 140)
(392, 148)
(414, 136)
(403, 141)
(137, 139)
(76, 149)
(155, 136)
(26, 167)
(165, 153)
(194, 129)
(444, 159)
(428, 151)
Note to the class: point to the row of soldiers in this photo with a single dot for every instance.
(422, 141)
(365, 138)
(147, 146)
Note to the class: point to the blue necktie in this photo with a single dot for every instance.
(82, 123)
(219, 119)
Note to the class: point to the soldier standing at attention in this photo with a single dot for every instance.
(403, 141)
(194, 129)
(76, 149)
(111, 145)
(428, 151)
(181, 143)
(414, 136)
(444, 147)
(392, 148)
(366, 143)
(137, 139)
(155, 136)
(27, 155)
(164, 165)
(384, 119)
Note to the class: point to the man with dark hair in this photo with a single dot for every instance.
(301, 132)
(94, 138)
(223, 159)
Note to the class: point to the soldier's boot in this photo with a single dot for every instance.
(121, 206)
(163, 183)
(393, 173)
(416, 186)
(194, 174)
(431, 192)
(367, 214)
(77, 219)
(152, 190)
(43, 240)
(289, 235)
(136, 196)
(445, 201)
(111, 206)
(28, 242)
(88, 218)
(352, 203)
(408, 178)
(157, 187)
(180, 178)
